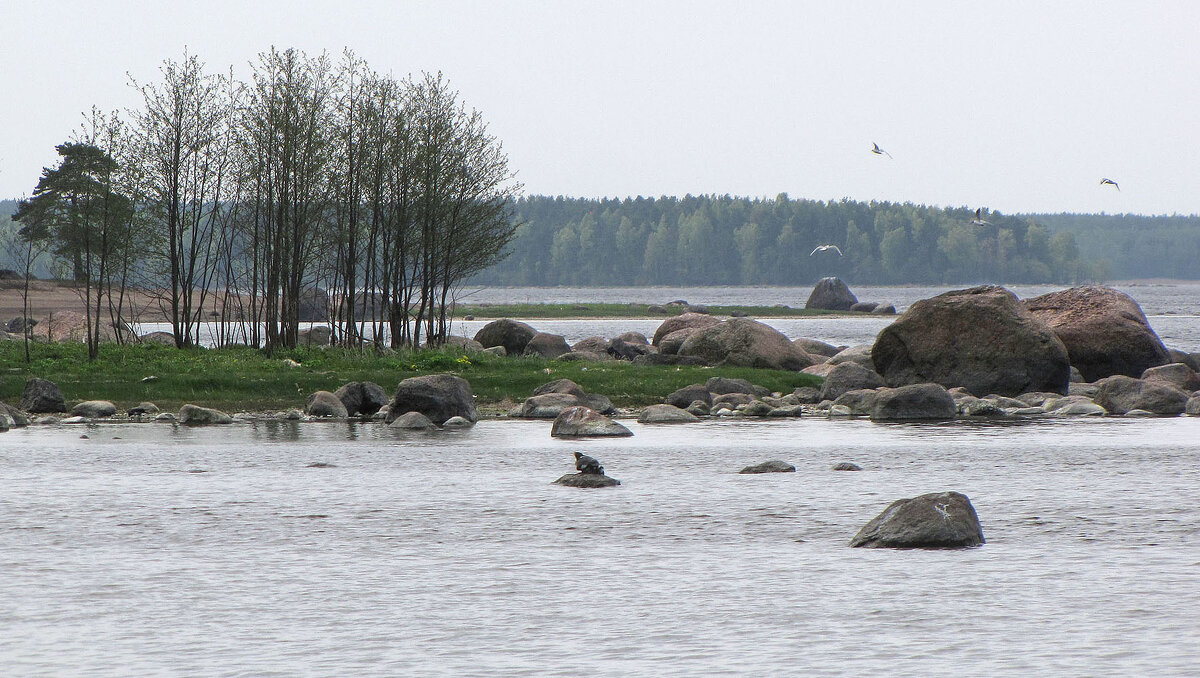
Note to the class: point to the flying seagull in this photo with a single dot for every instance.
(879, 151)
(979, 220)
(824, 248)
(1106, 180)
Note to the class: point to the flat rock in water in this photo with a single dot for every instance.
(581, 421)
(931, 521)
(773, 466)
(194, 415)
(846, 466)
(587, 480)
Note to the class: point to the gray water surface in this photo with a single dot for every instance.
(148, 549)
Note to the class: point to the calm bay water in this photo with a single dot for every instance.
(149, 549)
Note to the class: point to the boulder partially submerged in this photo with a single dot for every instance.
(194, 415)
(831, 294)
(981, 338)
(1104, 331)
(772, 466)
(939, 520)
(437, 396)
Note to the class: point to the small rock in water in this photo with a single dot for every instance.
(773, 466)
(321, 464)
(84, 436)
(587, 480)
(846, 466)
(936, 520)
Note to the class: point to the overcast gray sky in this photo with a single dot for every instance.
(1016, 106)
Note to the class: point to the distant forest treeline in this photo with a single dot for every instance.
(729, 240)
(725, 240)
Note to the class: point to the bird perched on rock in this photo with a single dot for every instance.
(586, 464)
(879, 151)
(824, 248)
(1106, 180)
(979, 220)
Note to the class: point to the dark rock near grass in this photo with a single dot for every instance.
(362, 398)
(671, 343)
(412, 421)
(194, 415)
(325, 404)
(546, 345)
(587, 480)
(511, 334)
(846, 466)
(915, 401)
(163, 338)
(94, 409)
(699, 408)
(1119, 394)
(663, 359)
(722, 385)
(814, 347)
(688, 394)
(551, 398)
(560, 386)
(773, 466)
(848, 376)
(141, 409)
(884, 309)
(831, 294)
(864, 306)
(807, 395)
(686, 321)
(756, 408)
(16, 416)
(742, 342)
(585, 422)
(1104, 331)
(666, 414)
(627, 350)
(437, 396)
(465, 343)
(591, 345)
(42, 396)
(940, 520)
(981, 338)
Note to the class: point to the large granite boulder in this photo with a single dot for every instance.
(914, 401)
(622, 349)
(194, 415)
(582, 421)
(362, 398)
(1104, 331)
(722, 385)
(859, 402)
(688, 321)
(94, 409)
(670, 343)
(325, 404)
(831, 294)
(1119, 394)
(743, 342)
(848, 376)
(980, 338)
(42, 396)
(860, 354)
(513, 335)
(591, 345)
(938, 520)
(546, 345)
(437, 396)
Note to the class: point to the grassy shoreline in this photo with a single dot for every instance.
(244, 379)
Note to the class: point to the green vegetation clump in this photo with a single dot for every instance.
(246, 379)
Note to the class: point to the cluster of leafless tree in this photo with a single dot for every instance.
(313, 182)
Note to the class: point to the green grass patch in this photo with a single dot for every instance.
(589, 310)
(244, 379)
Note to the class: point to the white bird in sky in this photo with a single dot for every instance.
(879, 151)
(823, 248)
(1106, 180)
(979, 220)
